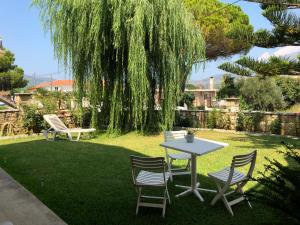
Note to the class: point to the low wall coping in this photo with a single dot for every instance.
(9, 110)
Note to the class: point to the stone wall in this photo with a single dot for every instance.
(14, 118)
(11, 117)
(290, 122)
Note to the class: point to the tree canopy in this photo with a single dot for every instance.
(131, 54)
(11, 76)
(223, 27)
(261, 94)
(228, 87)
(286, 24)
(248, 66)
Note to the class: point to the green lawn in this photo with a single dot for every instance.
(89, 183)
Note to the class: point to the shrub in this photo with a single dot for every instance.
(275, 127)
(261, 94)
(248, 122)
(213, 119)
(33, 120)
(279, 184)
(223, 121)
(240, 121)
(82, 117)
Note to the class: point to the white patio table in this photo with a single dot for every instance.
(199, 147)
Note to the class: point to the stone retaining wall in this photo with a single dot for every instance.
(14, 117)
(11, 117)
(290, 122)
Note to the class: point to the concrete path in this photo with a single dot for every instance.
(20, 207)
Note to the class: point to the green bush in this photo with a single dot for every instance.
(248, 122)
(82, 117)
(223, 121)
(240, 121)
(212, 119)
(279, 184)
(275, 127)
(201, 107)
(32, 120)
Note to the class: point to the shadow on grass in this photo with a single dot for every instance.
(90, 184)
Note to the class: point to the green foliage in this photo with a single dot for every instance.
(279, 184)
(83, 117)
(223, 30)
(32, 119)
(11, 76)
(228, 88)
(201, 107)
(240, 121)
(261, 94)
(290, 89)
(286, 29)
(192, 122)
(53, 101)
(212, 120)
(248, 121)
(275, 127)
(3, 107)
(125, 51)
(247, 66)
(188, 99)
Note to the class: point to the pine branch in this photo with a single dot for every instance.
(292, 4)
(235, 69)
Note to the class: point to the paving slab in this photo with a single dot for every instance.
(21, 207)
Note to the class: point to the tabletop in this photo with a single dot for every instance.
(200, 146)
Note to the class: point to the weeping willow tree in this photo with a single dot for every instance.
(128, 56)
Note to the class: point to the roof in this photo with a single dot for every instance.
(55, 83)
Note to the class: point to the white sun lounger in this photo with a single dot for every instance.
(57, 127)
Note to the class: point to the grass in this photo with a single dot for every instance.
(294, 109)
(89, 183)
(3, 107)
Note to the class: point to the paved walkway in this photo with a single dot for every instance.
(20, 207)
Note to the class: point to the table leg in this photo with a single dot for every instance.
(194, 185)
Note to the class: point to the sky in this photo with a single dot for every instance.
(23, 34)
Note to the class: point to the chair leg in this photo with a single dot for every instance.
(138, 200)
(228, 207)
(164, 204)
(240, 190)
(218, 195)
(168, 195)
(78, 137)
(170, 169)
(70, 136)
(221, 194)
(188, 165)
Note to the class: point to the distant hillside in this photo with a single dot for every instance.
(205, 82)
(35, 80)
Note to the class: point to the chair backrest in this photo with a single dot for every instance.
(138, 163)
(172, 135)
(243, 160)
(55, 122)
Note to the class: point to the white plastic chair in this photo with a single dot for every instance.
(229, 176)
(170, 157)
(150, 172)
(57, 127)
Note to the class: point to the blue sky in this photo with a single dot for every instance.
(23, 34)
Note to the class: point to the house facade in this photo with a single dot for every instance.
(56, 85)
(205, 97)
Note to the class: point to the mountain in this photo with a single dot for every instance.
(205, 82)
(35, 80)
